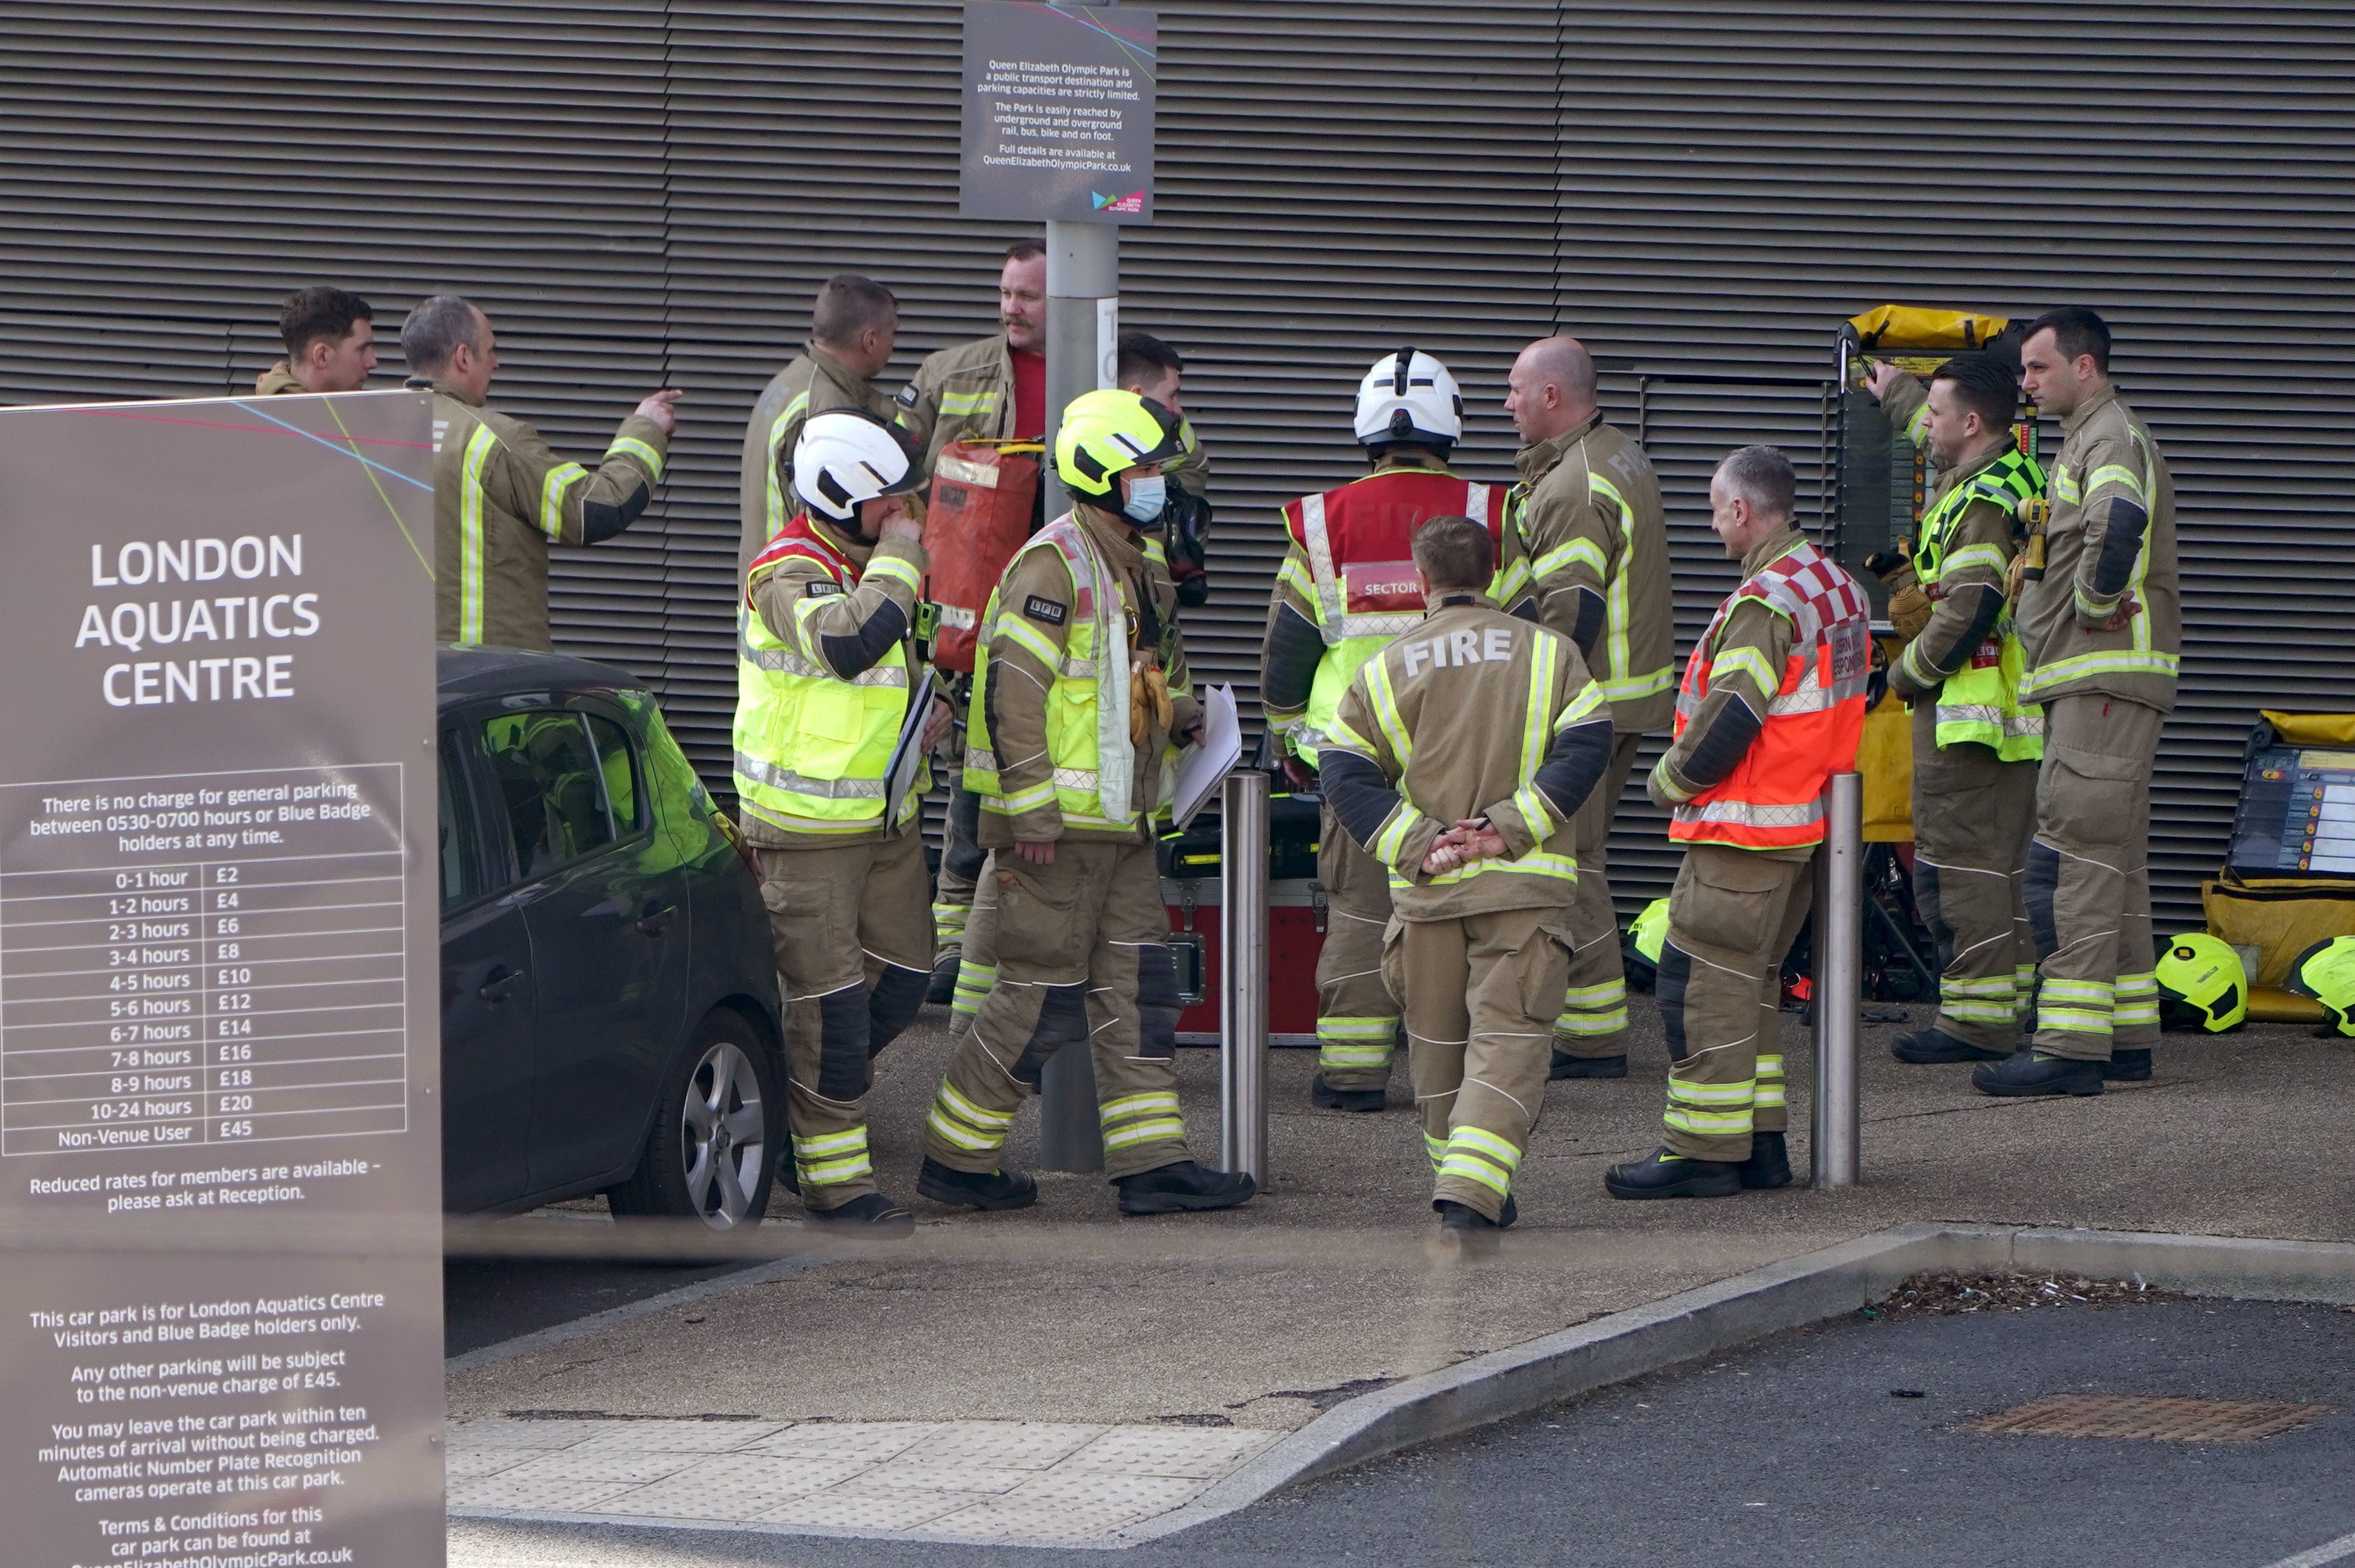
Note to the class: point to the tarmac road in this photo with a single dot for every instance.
(1793, 1453)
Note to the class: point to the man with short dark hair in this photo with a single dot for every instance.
(853, 323)
(1586, 552)
(1771, 705)
(1458, 759)
(500, 497)
(330, 338)
(1975, 743)
(2102, 626)
(1151, 368)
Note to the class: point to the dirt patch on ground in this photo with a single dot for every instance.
(1951, 1295)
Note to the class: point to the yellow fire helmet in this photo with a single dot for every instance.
(2326, 971)
(2200, 981)
(1108, 431)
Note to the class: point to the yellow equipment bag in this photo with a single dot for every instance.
(2280, 920)
(2311, 728)
(1891, 327)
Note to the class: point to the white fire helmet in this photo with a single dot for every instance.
(846, 456)
(1410, 396)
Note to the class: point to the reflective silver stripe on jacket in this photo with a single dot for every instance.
(784, 661)
(776, 778)
(1750, 816)
(1320, 567)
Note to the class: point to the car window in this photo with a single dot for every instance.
(457, 831)
(618, 760)
(553, 788)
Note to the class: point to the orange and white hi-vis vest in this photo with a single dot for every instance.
(1774, 797)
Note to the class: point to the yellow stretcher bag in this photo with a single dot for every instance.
(1891, 328)
(2275, 917)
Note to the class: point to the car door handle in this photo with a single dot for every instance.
(657, 922)
(496, 990)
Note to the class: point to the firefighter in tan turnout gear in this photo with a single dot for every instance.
(1772, 704)
(1586, 553)
(853, 326)
(1347, 586)
(1975, 743)
(1458, 761)
(500, 497)
(330, 338)
(828, 665)
(1080, 689)
(2102, 628)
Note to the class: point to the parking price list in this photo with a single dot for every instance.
(213, 958)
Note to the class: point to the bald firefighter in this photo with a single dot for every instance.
(1346, 587)
(1080, 687)
(1458, 761)
(828, 665)
(1771, 705)
(1975, 743)
(1586, 553)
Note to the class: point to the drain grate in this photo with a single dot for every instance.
(2151, 1418)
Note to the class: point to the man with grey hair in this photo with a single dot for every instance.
(500, 497)
(1771, 705)
(854, 326)
(1586, 554)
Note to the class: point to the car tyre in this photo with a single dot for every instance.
(712, 1154)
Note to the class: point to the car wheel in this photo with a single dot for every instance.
(711, 1156)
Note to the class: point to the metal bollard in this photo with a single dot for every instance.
(1242, 965)
(1836, 1147)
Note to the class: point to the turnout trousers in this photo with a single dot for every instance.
(1593, 1019)
(1357, 1021)
(854, 946)
(2088, 881)
(1081, 951)
(1973, 814)
(1481, 992)
(960, 875)
(1733, 915)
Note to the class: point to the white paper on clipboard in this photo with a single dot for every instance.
(1201, 769)
(907, 756)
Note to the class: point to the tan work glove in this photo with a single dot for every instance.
(1909, 607)
(1149, 707)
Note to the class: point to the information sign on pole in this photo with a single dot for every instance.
(220, 1297)
(1058, 112)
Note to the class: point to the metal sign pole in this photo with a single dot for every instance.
(1243, 964)
(1836, 1148)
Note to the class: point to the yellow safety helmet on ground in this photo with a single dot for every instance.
(1107, 431)
(1645, 937)
(2326, 971)
(2200, 981)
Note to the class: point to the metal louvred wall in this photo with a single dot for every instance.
(1737, 179)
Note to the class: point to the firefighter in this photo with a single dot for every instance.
(1975, 743)
(500, 497)
(1346, 588)
(330, 338)
(1080, 685)
(827, 663)
(853, 326)
(1773, 704)
(2102, 629)
(1586, 552)
(1457, 761)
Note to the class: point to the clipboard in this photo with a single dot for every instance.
(908, 756)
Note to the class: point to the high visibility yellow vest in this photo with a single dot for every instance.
(813, 750)
(1094, 763)
(1981, 700)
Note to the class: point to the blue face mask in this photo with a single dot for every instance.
(1145, 499)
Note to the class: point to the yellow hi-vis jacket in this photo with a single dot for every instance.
(1970, 652)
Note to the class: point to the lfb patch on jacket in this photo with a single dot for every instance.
(1493, 645)
(1040, 608)
(819, 588)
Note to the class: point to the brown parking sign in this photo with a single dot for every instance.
(1059, 112)
(220, 1306)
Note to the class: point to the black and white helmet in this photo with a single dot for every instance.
(848, 456)
(1410, 396)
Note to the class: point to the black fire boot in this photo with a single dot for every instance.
(964, 1189)
(2031, 1073)
(1331, 1098)
(1173, 1188)
(869, 1214)
(2127, 1065)
(1662, 1173)
(1463, 1231)
(941, 988)
(1925, 1047)
(1565, 1065)
(1769, 1164)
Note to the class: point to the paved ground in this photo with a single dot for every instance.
(1069, 1313)
(1792, 1453)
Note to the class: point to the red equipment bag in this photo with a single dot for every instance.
(979, 514)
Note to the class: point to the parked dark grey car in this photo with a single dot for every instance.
(609, 1001)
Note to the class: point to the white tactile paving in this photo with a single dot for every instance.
(952, 1480)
